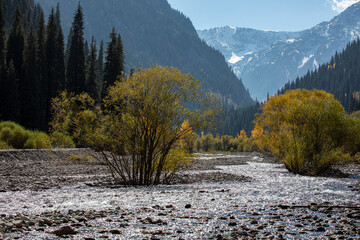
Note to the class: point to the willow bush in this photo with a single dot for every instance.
(306, 129)
(140, 123)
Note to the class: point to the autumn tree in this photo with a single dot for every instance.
(243, 134)
(306, 129)
(189, 138)
(140, 123)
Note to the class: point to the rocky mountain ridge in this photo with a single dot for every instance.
(290, 55)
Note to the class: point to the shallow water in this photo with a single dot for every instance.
(213, 205)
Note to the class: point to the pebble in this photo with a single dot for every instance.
(65, 230)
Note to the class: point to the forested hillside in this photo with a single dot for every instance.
(341, 76)
(234, 120)
(35, 68)
(154, 33)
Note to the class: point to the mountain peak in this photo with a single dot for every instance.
(278, 57)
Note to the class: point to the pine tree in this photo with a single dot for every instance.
(121, 56)
(14, 59)
(58, 16)
(101, 65)
(51, 52)
(15, 44)
(92, 84)
(42, 69)
(2, 40)
(60, 60)
(2, 59)
(114, 61)
(86, 49)
(76, 61)
(10, 107)
(29, 88)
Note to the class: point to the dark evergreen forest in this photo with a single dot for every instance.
(341, 76)
(35, 64)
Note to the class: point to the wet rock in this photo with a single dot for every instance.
(254, 222)
(260, 226)
(115, 231)
(320, 229)
(65, 230)
(306, 216)
(18, 223)
(81, 219)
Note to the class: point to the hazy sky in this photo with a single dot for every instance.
(280, 15)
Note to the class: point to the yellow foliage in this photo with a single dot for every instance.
(242, 134)
(300, 128)
(143, 118)
(257, 132)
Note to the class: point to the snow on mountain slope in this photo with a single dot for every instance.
(279, 57)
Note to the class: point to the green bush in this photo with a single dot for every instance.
(218, 145)
(6, 134)
(42, 140)
(30, 144)
(13, 135)
(81, 157)
(20, 135)
(4, 145)
(61, 140)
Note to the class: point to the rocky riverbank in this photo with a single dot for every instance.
(55, 194)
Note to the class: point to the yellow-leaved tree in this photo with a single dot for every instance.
(306, 129)
(140, 123)
(242, 134)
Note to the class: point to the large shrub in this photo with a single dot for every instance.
(13, 135)
(306, 129)
(140, 123)
(61, 140)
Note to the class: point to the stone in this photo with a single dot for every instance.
(232, 224)
(65, 230)
(188, 206)
(320, 229)
(254, 222)
(115, 231)
(18, 223)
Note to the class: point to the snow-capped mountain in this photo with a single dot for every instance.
(266, 60)
(238, 45)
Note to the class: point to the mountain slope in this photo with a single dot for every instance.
(267, 70)
(153, 33)
(340, 76)
(238, 45)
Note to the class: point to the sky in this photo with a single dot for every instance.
(277, 15)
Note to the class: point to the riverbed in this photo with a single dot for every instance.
(264, 201)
